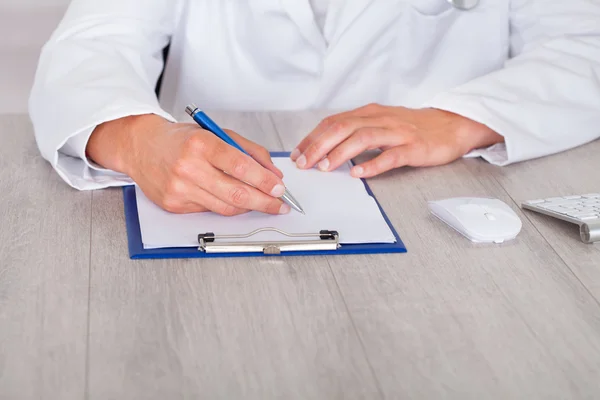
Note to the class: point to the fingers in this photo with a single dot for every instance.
(389, 159)
(369, 110)
(201, 187)
(240, 195)
(244, 168)
(182, 197)
(204, 199)
(259, 153)
(315, 133)
(229, 175)
(223, 193)
(333, 136)
(362, 140)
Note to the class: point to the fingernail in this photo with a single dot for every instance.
(324, 164)
(278, 191)
(358, 171)
(301, 161)
(295, 154)
(284, 209)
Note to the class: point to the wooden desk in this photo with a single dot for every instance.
(449, 319)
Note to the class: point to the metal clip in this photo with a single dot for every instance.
(211, 243)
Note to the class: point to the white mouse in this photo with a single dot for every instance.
(480, 220)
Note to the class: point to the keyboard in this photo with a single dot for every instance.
(583, 210)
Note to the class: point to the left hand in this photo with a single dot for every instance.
(407, 137)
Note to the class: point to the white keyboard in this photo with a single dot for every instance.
(583, 210)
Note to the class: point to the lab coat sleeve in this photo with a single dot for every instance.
(546, 99)
(101, 64)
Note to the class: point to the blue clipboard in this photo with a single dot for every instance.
(137, 251)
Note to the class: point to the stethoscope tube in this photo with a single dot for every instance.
(464, 4)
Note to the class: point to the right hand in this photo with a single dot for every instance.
(183, 168)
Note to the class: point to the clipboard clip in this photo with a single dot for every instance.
(323, 240)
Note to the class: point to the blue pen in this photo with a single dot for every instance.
(208, 124)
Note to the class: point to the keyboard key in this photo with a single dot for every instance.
(538, 201)
(587, 210)
(561, 202)
(569, 209)
(559, 209)
(588, 217)
(583, 215)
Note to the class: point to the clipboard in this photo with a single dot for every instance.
(324, 242)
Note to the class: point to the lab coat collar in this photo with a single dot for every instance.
(302, 14)
(340, 16)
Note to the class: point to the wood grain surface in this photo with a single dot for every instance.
(452, 319)
(449, 319)
(219, 328)
(568, 173)
(44, 271)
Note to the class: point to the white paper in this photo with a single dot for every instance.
(332, 201)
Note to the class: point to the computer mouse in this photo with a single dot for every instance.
(481, 220)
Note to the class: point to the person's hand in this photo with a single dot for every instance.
(407, 137)
(183, 168)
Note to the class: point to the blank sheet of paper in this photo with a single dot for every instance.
(332, 201)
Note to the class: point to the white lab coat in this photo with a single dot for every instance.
(529, 69)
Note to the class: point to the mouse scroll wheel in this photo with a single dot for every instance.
(490, 217)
